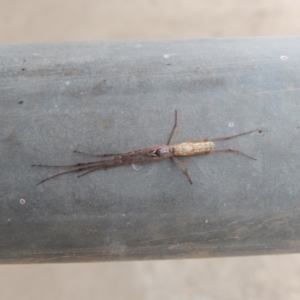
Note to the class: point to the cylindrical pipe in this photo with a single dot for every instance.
(111, 97)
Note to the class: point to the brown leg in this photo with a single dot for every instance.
(232, 150)
(184, 168)
(62, 173)
(231, 137)
(175, 130)
(99, 155)
(113, 154)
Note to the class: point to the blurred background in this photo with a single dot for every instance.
(261, 277)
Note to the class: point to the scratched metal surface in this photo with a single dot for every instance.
(119, 96)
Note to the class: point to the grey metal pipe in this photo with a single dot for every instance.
(119, 96)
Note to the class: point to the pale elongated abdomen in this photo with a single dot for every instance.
(191, 148)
